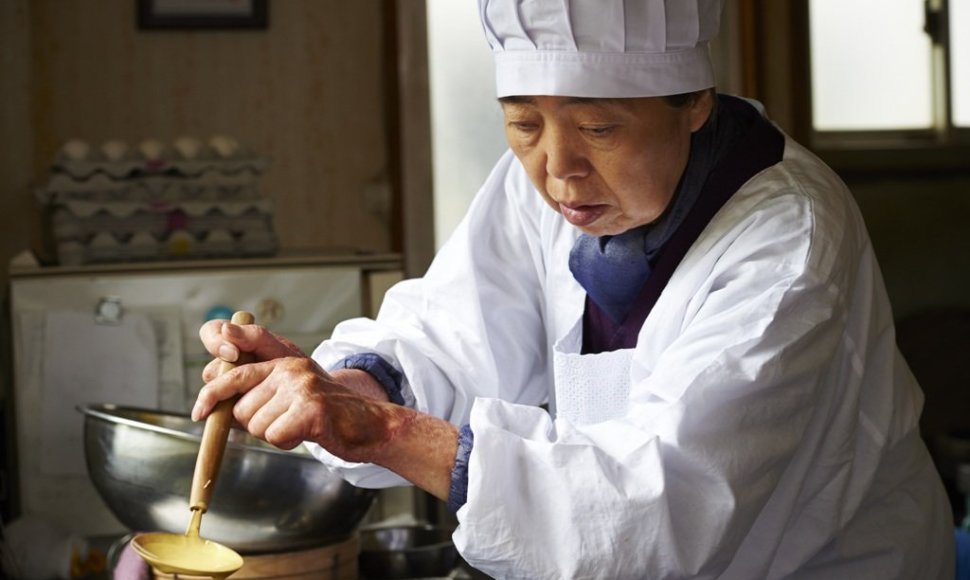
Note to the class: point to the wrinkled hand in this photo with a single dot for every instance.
(285, 397)
(225, 340)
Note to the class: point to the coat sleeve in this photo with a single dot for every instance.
(471, 327)
(715, 435)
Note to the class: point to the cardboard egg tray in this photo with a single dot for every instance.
(90, 232)
(123, 181)
(140, 208)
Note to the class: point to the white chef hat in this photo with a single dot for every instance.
(601, 48)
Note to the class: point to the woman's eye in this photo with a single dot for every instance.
(523, 126)
(598, 130)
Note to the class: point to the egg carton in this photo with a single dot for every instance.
(106, 247)
(80, 220)
(157, 201)
(186, 156)
(135, 168)
(101, 188)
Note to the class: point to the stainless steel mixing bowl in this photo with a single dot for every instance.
(141, 462)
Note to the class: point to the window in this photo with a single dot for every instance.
(960, 60)
(892, 71)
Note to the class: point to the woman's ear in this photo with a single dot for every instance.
(700, 109)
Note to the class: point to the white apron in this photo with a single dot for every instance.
(806, 377)
(589, 388)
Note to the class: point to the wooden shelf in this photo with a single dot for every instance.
(369, 261)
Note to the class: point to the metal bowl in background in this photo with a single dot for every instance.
(412, 551)
(141, 462)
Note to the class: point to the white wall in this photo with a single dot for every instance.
(466, 122)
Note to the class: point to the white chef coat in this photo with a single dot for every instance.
(769, 427)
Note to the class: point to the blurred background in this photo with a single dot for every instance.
(175, 161)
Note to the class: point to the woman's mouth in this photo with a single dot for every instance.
(581, 215)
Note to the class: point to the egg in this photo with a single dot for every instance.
(152, 149)
(188, 147)
(103, 241)
(76, 150)
(114, 149)
(142, 245)
(218, 242)
(180, 244)
(224, 146)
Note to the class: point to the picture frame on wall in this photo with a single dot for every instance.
(202, 14)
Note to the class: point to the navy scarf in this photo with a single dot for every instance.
(613, 269)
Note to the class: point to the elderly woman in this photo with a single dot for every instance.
(692, 295)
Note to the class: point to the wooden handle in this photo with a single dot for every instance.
(214, 436)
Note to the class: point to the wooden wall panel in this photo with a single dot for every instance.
(308, 92)
(16, 141)
(414, 133)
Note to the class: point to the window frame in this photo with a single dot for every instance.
(943, 148)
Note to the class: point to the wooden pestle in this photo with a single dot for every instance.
(213, 446)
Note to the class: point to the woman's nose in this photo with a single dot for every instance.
(565, 158)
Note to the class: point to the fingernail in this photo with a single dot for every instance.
(196, 411)
(228, 352)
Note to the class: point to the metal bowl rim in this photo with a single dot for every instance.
(102, 411)
(369, 530)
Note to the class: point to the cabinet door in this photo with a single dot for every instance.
(302, 303)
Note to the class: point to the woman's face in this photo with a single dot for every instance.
(607, 165)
